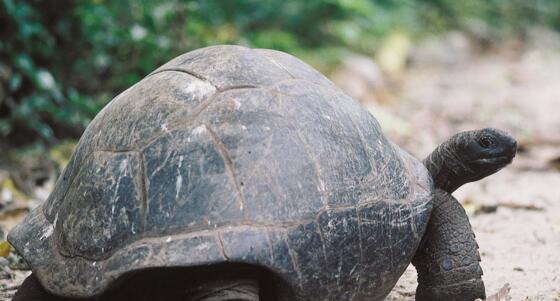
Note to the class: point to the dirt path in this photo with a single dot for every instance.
(519, 242)
(518, 210)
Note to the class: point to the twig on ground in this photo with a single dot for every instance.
(501, 295)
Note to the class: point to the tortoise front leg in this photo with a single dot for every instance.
(447, 260)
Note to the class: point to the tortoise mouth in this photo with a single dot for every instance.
(495, 160)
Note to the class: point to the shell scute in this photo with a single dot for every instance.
(110, 186)
(188, 184)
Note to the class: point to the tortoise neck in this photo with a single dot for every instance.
(446, 166)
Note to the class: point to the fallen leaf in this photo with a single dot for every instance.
(9, 191)
(471, 207)
(5, 248)
(393, 53)
(529, 207)
(8, 219)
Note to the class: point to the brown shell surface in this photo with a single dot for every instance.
(231, 154)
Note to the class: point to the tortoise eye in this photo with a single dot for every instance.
(486, 141)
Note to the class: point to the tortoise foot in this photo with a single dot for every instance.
(464, 291)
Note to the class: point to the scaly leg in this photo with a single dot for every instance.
(447, 260)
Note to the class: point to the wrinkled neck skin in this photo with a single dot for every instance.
(446, 167)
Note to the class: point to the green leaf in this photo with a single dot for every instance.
(5, 126)
(14, 82)
(25, 63)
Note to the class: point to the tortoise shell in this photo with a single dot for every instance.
(230, 154)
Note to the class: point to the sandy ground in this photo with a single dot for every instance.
(519, 92)
(515, 213)
(518, 246)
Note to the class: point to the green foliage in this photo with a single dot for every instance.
(34, 92)
(60, 62)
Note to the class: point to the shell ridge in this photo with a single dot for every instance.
(311, 155)
(192, 118)
(193, 74)
(222, 246)
(144, 187)
(273, 61)
(293, 257)
(228, 163)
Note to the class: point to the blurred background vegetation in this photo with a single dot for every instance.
(61, 62)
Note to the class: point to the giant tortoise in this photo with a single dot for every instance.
(251, 175)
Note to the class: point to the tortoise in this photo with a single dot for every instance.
(247, 174)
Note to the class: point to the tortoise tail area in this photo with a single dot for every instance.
(447, 260)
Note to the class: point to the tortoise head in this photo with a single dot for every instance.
(480, 153)
(470, 156)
